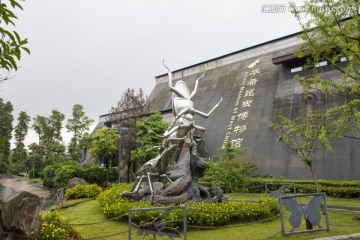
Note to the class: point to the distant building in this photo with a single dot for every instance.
(257, 83)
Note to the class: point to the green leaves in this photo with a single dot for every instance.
(331, 33)
(146, 140)
(6, 127)
(304, 135)
(104, 143)
(12, 45)
(78, 125)
(15, 4)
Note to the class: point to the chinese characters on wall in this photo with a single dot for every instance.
(244, 100)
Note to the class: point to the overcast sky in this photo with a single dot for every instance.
(89, 52)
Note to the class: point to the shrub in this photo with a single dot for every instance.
(98, 175)
(58, 174)
(64, 173)
(83, 191)
(230, 170)
(48, 174)
(109, 199)
(333, 188)
(198, 213)
(55, 226)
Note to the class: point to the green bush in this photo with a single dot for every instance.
(83, 191)
(96, 174)
(198, 213)
(58, 174)
(333, 188)
(64, 173)
(55, 226)
(230, 170)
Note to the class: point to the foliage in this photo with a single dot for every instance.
(6, 127)
(83, 191)
(104, 143)
(131, 107)
(63, 174)
(198, 213)
(78, 125)
(96, 174)
(12, 45)
(58, 174)
(19, 156)
(304, 136)
(49, 133)
(146, 140)
(35, 157)
(331, 32)
(231, 170)
(334, 188)
(111, 195)
(55, 226)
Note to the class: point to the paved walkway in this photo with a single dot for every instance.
(21, 185)
(355, 236)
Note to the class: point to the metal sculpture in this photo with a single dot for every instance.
(310, 211)
(280, 191)
(183, 141)
(157, 227)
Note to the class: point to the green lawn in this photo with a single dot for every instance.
(340, 223)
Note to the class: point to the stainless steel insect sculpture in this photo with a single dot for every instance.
(157, 227)
(182, 141)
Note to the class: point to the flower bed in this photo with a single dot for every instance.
(198, 213)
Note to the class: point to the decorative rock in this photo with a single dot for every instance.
(19, 214)
(75, 181)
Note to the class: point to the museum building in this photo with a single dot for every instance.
(257, 84)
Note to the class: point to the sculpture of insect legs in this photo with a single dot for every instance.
(182, 135)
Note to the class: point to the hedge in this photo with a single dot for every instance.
(333, 188)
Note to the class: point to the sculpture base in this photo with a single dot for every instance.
(192, 192)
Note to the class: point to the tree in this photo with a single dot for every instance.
(78, 125)
(19, 156)
(49, 133)
(104, 144)
(304, 136)
(131, 107)
(11, 43)
(147, 137)
(331, 33)
(6, 127)
(34, 159)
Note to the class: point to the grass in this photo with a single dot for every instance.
(341, 223)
